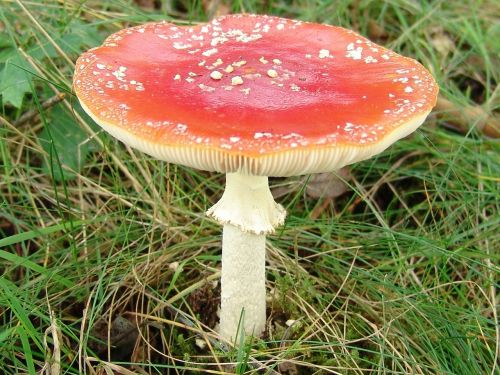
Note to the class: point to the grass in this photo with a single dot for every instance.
(108, 262)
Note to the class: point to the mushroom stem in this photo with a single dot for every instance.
(248, 212)
(243, 283)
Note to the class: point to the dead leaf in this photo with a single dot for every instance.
(288, 368)
(462, 118)
(441, 41)
(205, 302)
(122, 338)
(475, 61)
(376, 31)
(328, 185)
(215, 8)
(285, 186)
(148, 4)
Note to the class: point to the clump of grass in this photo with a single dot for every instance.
(398, 275)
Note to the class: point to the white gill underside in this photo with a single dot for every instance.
(288, 163)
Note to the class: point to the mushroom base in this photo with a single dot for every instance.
(243, 284)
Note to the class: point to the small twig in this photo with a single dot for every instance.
(34, 113)
(316, 213)
(288, 332)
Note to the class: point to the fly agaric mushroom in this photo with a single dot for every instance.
(252, 96)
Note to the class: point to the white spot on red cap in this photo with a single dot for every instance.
(272, 73)
(218, 40)
(236, 80)
(181, 128)
(216, 75)
(210, 52)
(261, 135)
(120, 73)
(354, 53)
(182, 45)
(206, 88)
(324, 53)
(370, 59)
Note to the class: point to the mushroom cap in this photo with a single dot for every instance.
(254, 94)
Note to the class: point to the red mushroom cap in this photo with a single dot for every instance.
(257, 94)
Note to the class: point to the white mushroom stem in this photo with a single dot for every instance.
(243, 283)
(248, 212)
